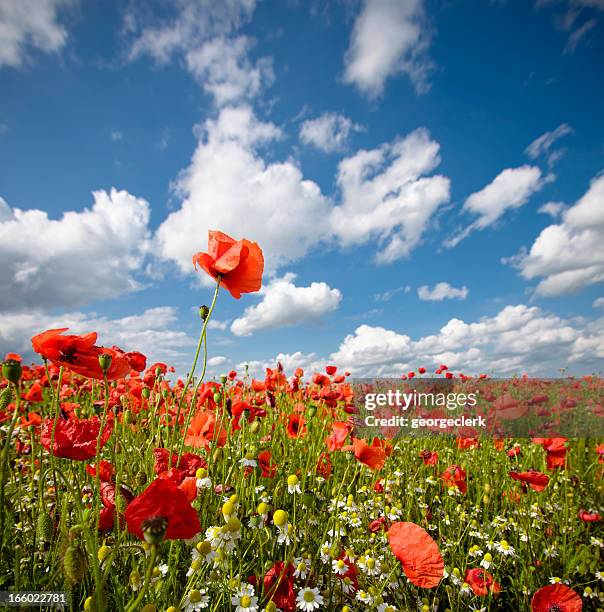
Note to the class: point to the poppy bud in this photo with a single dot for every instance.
(11, 370)
(165, 393)
(255, 426)
(217, 397)
(146, 392)
(157, 372)
(223, 379)
(312, 411)
(129, 418)
(204, 311)
(217, 455)
(105, 362)
(149, 608)
(74, 563)
(154, 529)
(5, 398)
(44, 528)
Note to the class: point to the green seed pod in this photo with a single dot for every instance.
(74, 563)
(146, 392)
(105, 361)
(11, 370)
(44, 528)
(217, 397)
(255, 426)
(154, 529)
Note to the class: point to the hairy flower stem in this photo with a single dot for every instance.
(202, 339)
(134, 605)
(4, 460)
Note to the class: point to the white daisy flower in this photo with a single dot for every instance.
(309, 599)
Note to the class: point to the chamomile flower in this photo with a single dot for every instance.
(339, 567)
(302, 566)
(293, 485)
(244, 599)
(196, 600)
(505, 549)
(309, 599)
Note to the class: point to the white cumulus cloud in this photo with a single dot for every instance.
(511, 188)
(329, 132)
(30, 23)
(285, 303)
(441, 291)
(229, 186)
(389, 194)
(569, 256)
(389, 37)
(86, 255)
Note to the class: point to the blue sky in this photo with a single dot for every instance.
(423, 176)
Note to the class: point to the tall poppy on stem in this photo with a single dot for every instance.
(236, 264)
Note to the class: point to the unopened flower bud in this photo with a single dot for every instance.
(204, 311)
(44, 528)
(146, 392)
(74, 563)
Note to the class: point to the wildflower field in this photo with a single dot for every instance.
(128, 488)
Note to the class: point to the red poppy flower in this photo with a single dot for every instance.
(108, 494)
(418, 553)
(79, 354)
(163, 499)
(536, 480)
(371, 456)
(202, 430)
(106, 470)
(556, 597)
(324, 467)
(74, 438)
(279, 586)
(590, 517)
(331, 370)
(188, 463)
(339, 433)
(264, 460)
(428, 457)
(239, 263)
(296, 427)
(34, 394)
(455, 476)
(482, 582)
